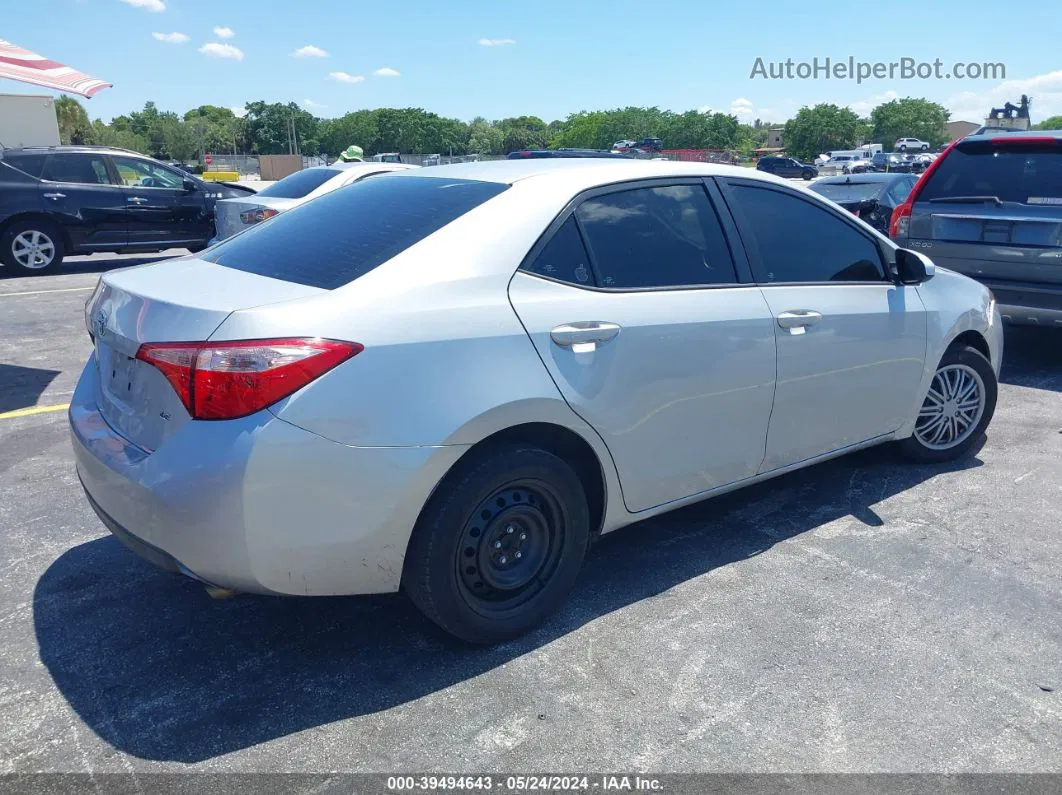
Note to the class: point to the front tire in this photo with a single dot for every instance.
(31, 246)
(807, 175)
(957, 409)
(498, 548)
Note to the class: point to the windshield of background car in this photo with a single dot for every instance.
(1014, 173)
(843, 193)
(342, 235)
(300, 184)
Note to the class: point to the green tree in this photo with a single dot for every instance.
(485, 138)
(270, 126)
(1050, 123)
(73, 121)
(821, 128)
(909, 118)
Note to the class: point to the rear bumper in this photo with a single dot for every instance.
(257, 504)
(1033, 305)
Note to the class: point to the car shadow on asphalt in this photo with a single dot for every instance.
(21, 387)
(161, 672)
(99, 263)
(1032, 357)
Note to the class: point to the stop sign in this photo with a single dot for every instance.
(208, 160)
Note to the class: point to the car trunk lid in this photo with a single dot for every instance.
(175, 301)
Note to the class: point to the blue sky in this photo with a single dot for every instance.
(546, 58)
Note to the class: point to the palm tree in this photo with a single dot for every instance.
(73, 120)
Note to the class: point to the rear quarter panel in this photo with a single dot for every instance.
(446, 359)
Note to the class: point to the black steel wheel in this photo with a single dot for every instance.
(498, 548)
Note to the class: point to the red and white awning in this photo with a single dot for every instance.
(28, 67)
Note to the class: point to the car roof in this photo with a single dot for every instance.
(73, 148)
(584, 172)
(988, 135)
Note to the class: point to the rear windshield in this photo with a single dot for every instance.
(1021, 174)
(301, 183)
(841, 192)
(333, 240)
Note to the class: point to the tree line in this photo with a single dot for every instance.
(280, 128)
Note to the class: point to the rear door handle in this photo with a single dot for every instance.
(583, 336)
(55, 195)
(797, 321)
(136, 199)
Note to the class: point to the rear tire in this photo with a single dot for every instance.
(957, 410)
(32, 246)
(498, 548)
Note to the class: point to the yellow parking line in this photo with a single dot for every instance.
(10, 415)
(42, 292)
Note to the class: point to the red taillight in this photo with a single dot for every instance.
(258, 215)
(226, 380)
(901, 216)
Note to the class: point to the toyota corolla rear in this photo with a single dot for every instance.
(240, 418)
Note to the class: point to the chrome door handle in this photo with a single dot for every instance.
(55, 195)
(797, 321)
(136, 199)
(583, 336)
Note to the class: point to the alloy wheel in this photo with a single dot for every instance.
(33, 249)
(952, 408)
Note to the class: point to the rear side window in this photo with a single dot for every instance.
(28, 164)
(800, 242)
(1021, 174)
(300, 184)
(656, 237)
(563, 257)
(342, 235)
(77, 168)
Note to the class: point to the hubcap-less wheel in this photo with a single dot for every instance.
(952, 409)
(33, 249)
(510, 546)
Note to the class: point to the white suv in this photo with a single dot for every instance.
(903, 144)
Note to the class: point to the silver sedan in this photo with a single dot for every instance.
(451, 380)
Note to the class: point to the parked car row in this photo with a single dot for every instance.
(303, 408)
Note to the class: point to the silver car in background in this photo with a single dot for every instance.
(234, 215)
(449, 381)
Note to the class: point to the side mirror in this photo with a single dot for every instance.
(189, 185)
(913, 267)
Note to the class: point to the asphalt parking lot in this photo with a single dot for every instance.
(864, 615)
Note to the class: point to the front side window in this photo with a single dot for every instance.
(85, 169)
(798, 241)
(656, 237)
(144, 174)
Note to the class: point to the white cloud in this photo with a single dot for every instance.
(238, 111)
(387, 71)
(496, 42)
(343, 77)
(309, 51)
(216, 50)
(311, 104)
(743, 109)
(863, 107)
(1045, 91)
(223, 33)
(151, 5)
(172, 38)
